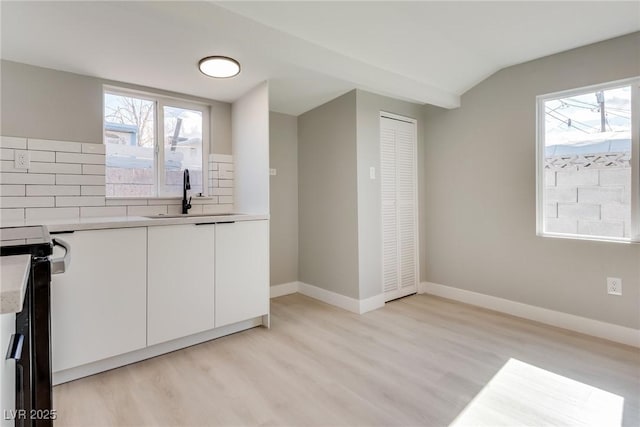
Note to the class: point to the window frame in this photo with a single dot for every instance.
(634, 83)
(161, 101)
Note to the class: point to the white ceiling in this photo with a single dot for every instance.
(426, 52)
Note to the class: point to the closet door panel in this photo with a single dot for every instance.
(398, 175)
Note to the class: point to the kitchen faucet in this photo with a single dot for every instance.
(186, 185)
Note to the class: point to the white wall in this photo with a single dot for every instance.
(250, 146)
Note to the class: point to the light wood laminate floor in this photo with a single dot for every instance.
(421, 360)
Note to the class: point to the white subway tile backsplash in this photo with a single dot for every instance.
(203, 200)
(39, 167)
(195, 209)
(177, 210)
(53, 190)
(52, 145)
(67, 179)
(168, 201)
(103, 211)
(26, 202)
(12, 190)
(146, 210)
(90, 148)
(9, 166)
(221, 158)
(26, 178)
(92, 190)
(225, 167)
(13, 142)
(95, 159)
(11, 214)
(126, 202)
(52, 213)
(80, 179)
(80, 201)
(93, 169)
(222, 191)
(217, 209)
(6, 153)
(42, 156)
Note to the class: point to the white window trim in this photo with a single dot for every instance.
(635, 158)
(162, 101)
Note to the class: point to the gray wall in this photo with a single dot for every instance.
(283, 197)
(338, 143)
(327, 196)
(48, 104)
(480, 159)
(369, 106)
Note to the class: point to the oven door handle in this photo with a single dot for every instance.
(60, 265)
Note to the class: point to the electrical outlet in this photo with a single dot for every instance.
(273, 172)
(614, 286)
(21, 159)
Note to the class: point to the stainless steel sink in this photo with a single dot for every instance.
(161, 216)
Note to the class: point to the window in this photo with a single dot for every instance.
(588, 165)
(150, 141)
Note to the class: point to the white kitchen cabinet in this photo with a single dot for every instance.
(242, 271)
(97, 305)
(180, 281)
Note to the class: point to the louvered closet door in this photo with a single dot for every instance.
(399, 207)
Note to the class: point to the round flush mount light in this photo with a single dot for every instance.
(221, 67)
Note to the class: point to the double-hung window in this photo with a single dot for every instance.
(588, 162)
(150, 140)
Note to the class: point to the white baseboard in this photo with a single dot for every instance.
(596, 328)
(283, 289)
(347, 303)
(344, 302)
(372, 303)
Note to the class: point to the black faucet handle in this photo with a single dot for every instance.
(189, 203)
(187, 180)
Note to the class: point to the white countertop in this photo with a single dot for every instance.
(14, 273)
(78, 224)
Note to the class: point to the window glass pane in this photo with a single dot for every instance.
(182, 149)
(587, 165)
(129, 141)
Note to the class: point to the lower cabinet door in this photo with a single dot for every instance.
(242, 271)
(98, 304)
(180, 286)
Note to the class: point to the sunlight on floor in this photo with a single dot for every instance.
(523, 394)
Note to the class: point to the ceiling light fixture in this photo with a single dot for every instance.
(220, 67)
